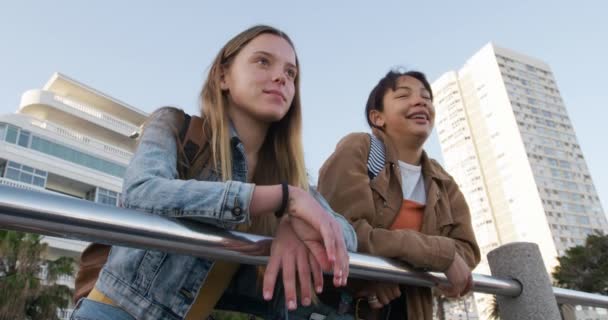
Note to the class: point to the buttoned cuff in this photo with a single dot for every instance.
(235, 204)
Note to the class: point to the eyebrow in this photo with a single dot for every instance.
(403, 87)
(272, 55)
(410, 89)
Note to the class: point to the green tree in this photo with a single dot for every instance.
(28, 288)
(493, 311)
(585, 268)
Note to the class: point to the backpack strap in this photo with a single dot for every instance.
(376, 158)
(192, 143)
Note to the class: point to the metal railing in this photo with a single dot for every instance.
(51, 215)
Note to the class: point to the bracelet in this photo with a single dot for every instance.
(284, 201)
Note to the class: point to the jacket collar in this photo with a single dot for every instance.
(429, 168)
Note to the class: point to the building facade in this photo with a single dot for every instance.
(71, 140)
(507, 139)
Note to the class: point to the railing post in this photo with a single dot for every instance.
(523, 262)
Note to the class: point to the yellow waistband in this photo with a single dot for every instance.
(98, 296)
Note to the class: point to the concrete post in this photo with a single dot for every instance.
(523, 262)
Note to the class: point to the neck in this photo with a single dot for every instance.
(409, 150)
(252, 134)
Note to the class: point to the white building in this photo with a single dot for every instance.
(69, 139)
(508, 141)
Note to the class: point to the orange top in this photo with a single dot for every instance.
(409, 217)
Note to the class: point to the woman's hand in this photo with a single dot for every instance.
(290, 255)
(380, 294)
(313, 224)
(460, 278)
(312, 239)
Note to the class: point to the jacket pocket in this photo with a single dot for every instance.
(147, 270)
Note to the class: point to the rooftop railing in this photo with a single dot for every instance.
(51, 215)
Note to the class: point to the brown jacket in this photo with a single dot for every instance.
(371, 207)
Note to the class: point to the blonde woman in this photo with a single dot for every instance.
(254, 180)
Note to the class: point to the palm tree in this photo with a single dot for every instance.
(28, 288)
(493, 310)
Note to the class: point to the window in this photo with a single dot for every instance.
(24, 138)
(18, 172)
(2, 131)
(107, 197)
(583, 220)
(11, 134)
(71, 155)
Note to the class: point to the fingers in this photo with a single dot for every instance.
(459, 276)
(396, 292)
(270, 276)
(318, 253)
(342, 253)
(457, 290)
(383, 296)
(252, 249)
(304, 276)
(317, 273)
(448, 291)
(468, 286)
(289, 281)
(380, 294)
(374, 302)
(329, 241)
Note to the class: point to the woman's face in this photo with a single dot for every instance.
(260, 81)
(408, 110)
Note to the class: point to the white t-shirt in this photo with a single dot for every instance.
(412, 183)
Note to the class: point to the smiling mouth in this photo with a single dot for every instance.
(418, 116)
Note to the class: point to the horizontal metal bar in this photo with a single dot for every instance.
(573, 297)
(72, 218)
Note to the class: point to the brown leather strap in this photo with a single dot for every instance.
(193, 156)
(91, 261)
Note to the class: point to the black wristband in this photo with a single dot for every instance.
(284, 201)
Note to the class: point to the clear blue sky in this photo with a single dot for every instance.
(153, 53)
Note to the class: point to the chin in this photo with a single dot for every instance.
(423, 135)
(270, 117)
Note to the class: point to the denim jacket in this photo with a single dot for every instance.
(158, 285)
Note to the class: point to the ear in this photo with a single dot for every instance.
(223, 82)
(377, 118)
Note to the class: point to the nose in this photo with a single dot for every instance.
(421, 101)
(279, 76)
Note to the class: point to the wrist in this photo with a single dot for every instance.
(294, 194)
(282, 209)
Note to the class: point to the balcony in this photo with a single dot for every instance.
(115, 122)
(25, 186)
(83, 139)
(46, 105)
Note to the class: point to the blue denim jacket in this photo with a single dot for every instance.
(157, 285)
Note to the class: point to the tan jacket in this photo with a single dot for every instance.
(372, 206)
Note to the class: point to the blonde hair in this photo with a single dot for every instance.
(281, 157)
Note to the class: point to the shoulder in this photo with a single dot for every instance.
(351, 150)
(166, 113)
(172, 117)
(356, 141)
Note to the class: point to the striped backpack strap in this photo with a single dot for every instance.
(376, 158)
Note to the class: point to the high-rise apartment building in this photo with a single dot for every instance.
(507, 139)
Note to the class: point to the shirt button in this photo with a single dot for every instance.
(385, 204)
(237, 211)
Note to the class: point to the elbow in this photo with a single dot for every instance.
(136, 190)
